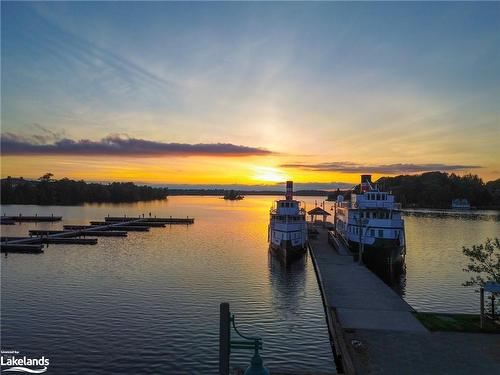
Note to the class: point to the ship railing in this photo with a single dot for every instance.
(344, 204)
(377, 204)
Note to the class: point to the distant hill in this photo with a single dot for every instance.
(438, 189)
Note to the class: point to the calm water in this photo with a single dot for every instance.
(434, 261)
(149, 303)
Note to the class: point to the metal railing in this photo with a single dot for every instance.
(226, 344)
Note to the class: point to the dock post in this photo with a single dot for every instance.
(493, 306)
(482, 308)
(224, 339)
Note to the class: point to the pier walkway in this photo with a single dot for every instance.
(374, 330)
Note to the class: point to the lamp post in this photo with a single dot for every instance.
(361, 223)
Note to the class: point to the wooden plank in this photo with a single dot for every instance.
(45, 232)
(69, 241)
(133, 224)
(171, 220)
(21, 248)
(9, 238)
(127, 228)
(102, 233)
(36, 218)
(78, 233)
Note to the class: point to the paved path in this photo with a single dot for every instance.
(376, 332)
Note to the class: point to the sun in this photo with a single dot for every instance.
(269, 174)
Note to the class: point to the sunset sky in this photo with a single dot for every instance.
(249, 93)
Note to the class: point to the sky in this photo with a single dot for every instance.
(249, 93)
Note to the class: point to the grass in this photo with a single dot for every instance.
(456, 323)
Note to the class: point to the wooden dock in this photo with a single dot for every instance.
(127, 228)
(27, 218)
(72, 234)
(165, 220)
(21, 248)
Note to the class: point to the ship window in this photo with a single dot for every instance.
(372, 232)
(380, 233)
(378, 197)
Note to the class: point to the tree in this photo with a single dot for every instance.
(46, 177)
(484, 262)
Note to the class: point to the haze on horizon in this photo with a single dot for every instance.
(249, 93)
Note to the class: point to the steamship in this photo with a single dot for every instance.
(371, 223)
(287, 231)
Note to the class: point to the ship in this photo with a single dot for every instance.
(287, 231)
(371, 224)
(233, 196)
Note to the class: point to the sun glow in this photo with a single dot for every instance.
(269, 174)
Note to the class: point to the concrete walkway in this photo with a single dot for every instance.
(360, 298)
(375, 332)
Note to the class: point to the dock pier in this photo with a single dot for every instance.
(72, 234)
(374, 331)
(27, 218)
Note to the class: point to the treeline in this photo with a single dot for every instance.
(45, 190)
(438, 189)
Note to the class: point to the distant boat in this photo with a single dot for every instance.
(460, 204)
(287, 232)
(233, 195)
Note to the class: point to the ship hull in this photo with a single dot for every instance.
(287, 251)
(381, 254)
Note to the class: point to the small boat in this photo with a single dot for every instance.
(287, 231)
(233, 195)
(460, 204)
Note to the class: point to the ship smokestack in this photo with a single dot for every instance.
(366, 182)
(289, 190)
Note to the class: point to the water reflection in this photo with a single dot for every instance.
(455, 214)
(288, 281)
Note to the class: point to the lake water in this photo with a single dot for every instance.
(434, 261)
(149, 303)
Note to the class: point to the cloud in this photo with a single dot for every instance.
(349, 167)
(114, 144)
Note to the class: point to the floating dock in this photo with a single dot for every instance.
(127, 228)
(150, 224)
(21, 248)
(165, 220)
(24, 218)
(72, 234)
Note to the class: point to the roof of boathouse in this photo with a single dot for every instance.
(318, 211)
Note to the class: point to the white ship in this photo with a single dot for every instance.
(371, 222)
(287, 232)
